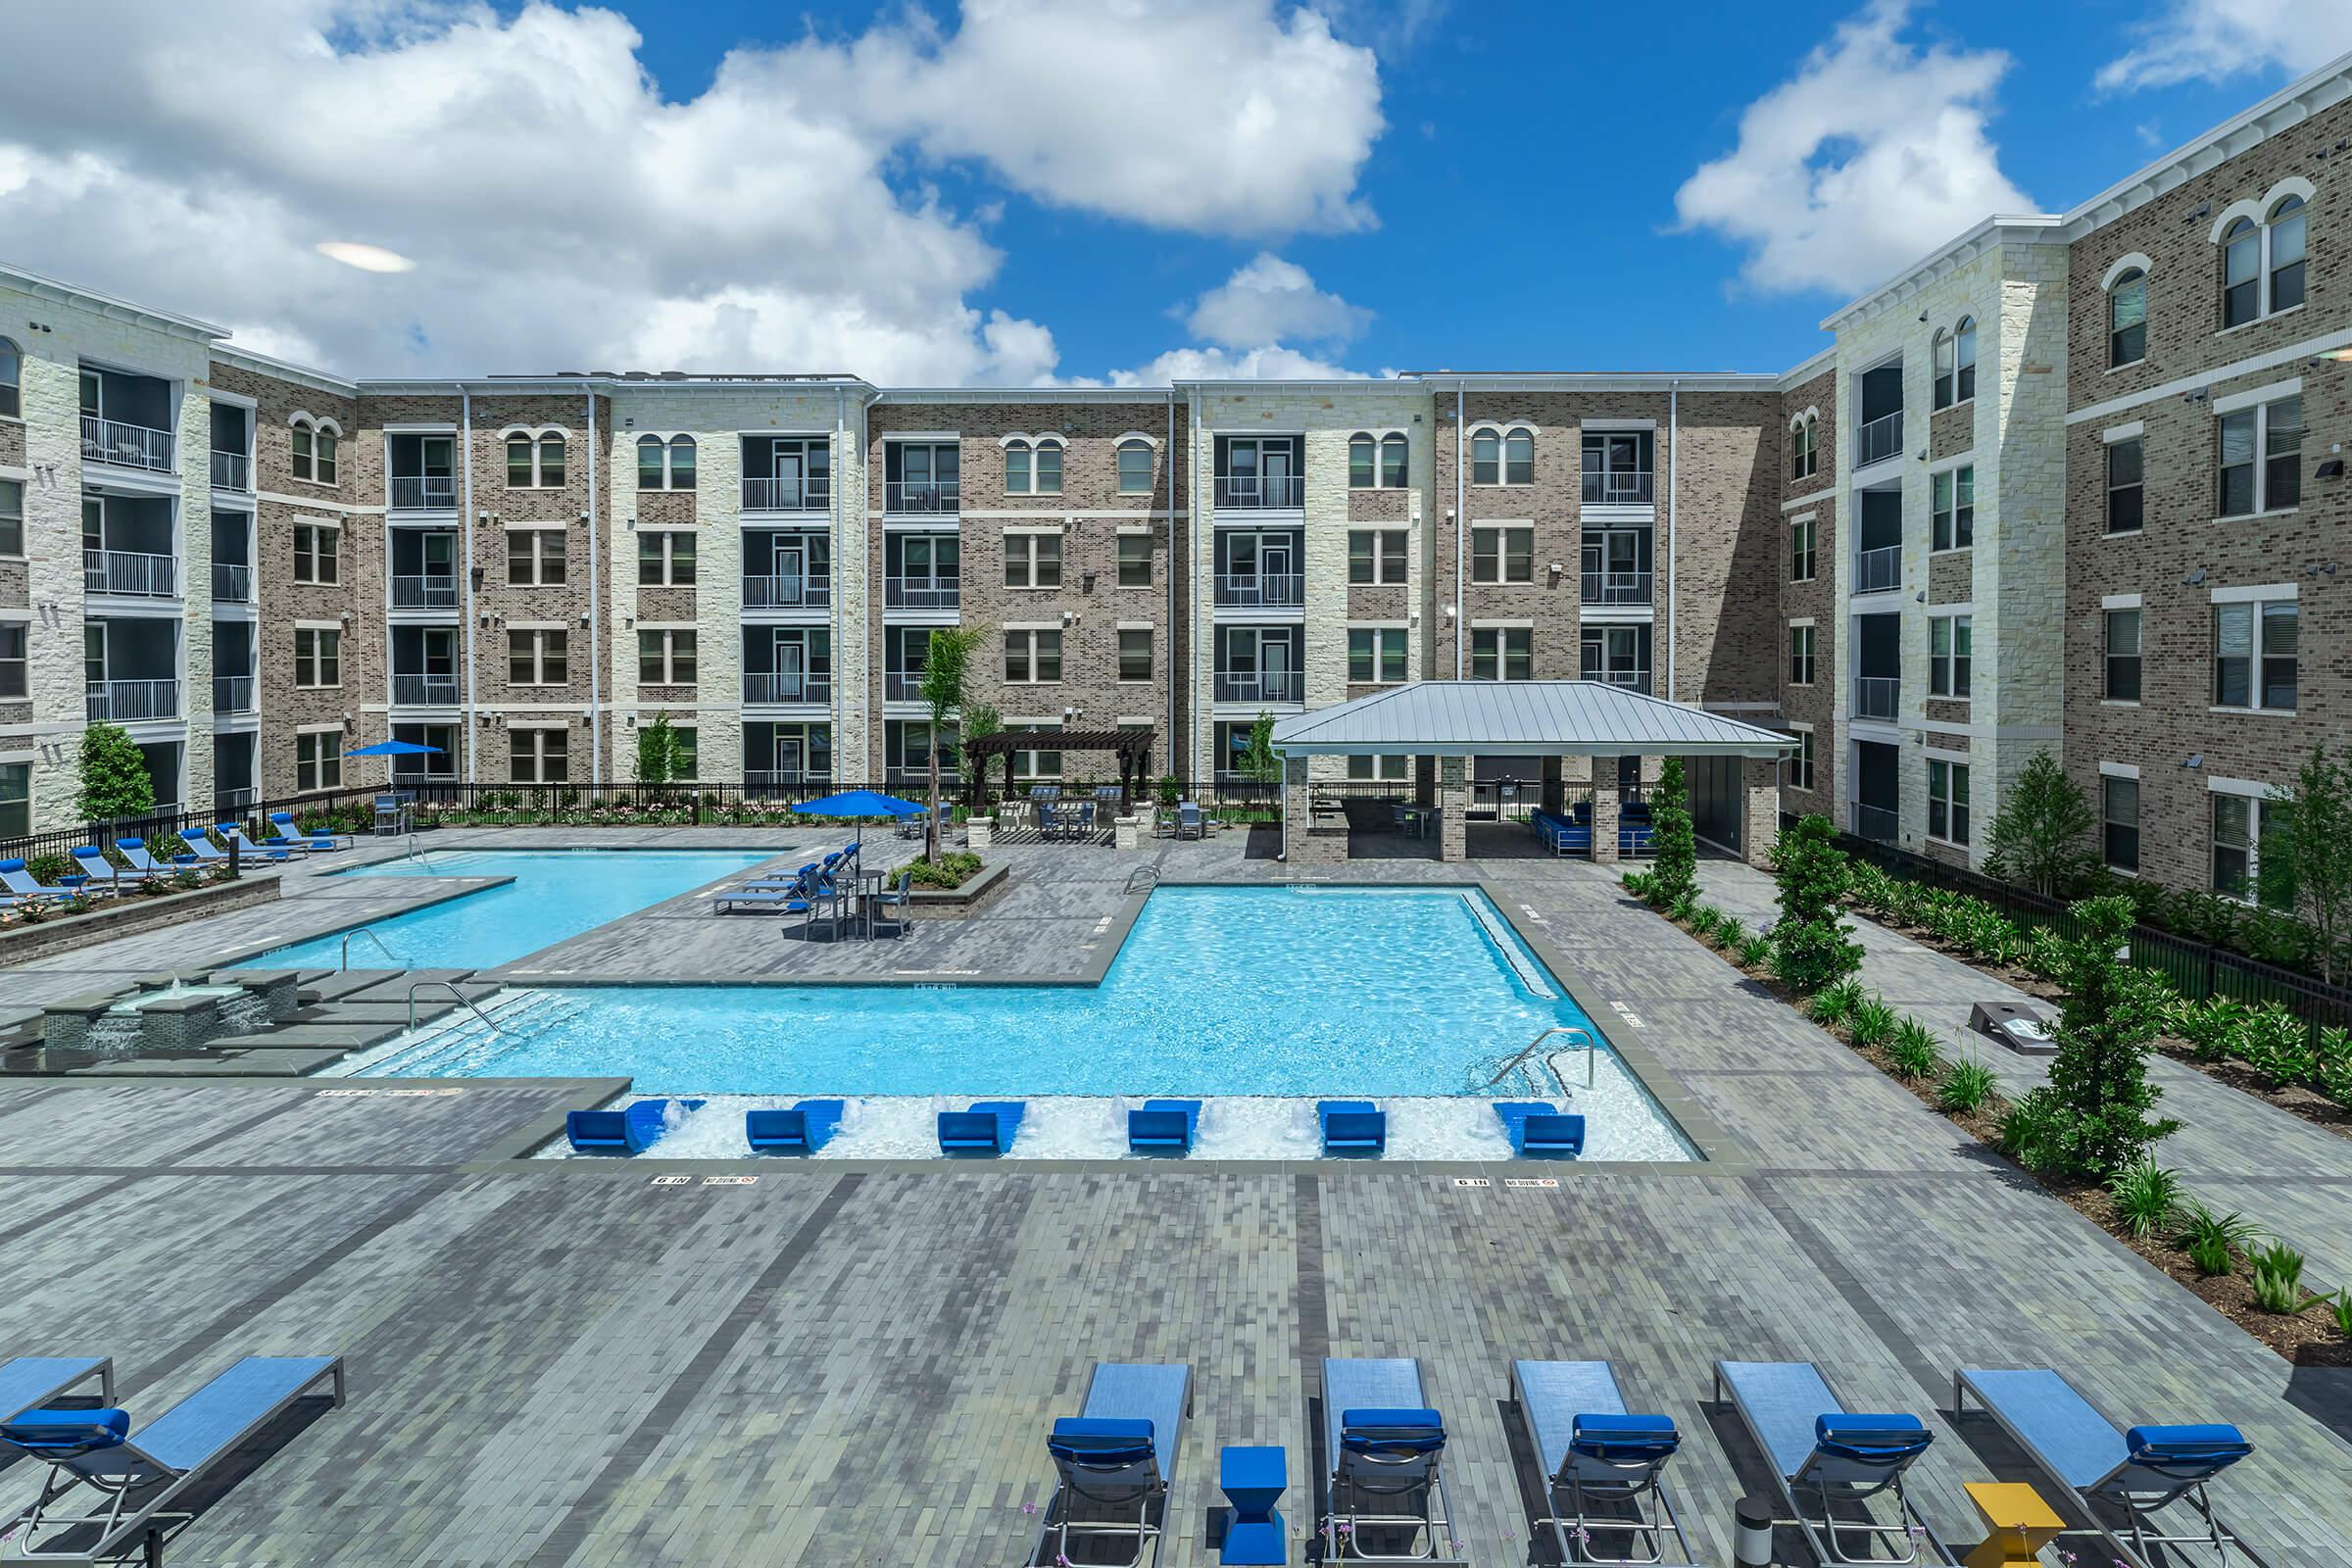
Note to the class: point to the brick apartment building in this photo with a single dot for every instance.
(2071, 483)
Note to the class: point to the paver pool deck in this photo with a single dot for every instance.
(565, 1363)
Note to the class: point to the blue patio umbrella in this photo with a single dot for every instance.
(396, 748)
(859, 803)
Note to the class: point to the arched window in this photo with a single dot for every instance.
(312, 449)
(681, 463)
(1135, 468)
(1360, 453)
(1802, 449)
(330, 437)
(12, 370)
(2241, 273)
(1395, 457)
(1964, 355)
(653, 471)
(1485, 456)
(1033, 467)
(522, 462)
(2127, 318)
(550, 461)
(1519, 457)
(2286, 253)
(1943, 361)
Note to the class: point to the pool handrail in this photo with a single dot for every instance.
(369, 932)
(464, 1000)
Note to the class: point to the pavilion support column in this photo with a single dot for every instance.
(1425, 781)
(1761, 801)
(1454, 809)
(1551, 785)
(1300, 842)
(1605, 801)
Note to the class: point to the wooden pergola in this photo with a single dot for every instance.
(1131, 746)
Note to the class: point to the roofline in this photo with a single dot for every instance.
(1765, 744)
(1598, 381)
(49, 289)
(1806, 369)
(572, 385)
(2021, 228)
(284, 369)
(1028, 394)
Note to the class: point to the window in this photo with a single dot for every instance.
(317, 761)
(1033, 467)
(313, 449)
(1396, 459)
(1805, 447)
(2286, 254)
(13, 667)
(534, 461)
(1485, 456)
(1388, 770)
(1948, 801)
(12, 516)
(1617, 468)
(1618, 655)
(1943, 368)
(1800, 763)
(1964, 358)
(2119, 822)
(2123, 656)
(2254, 644)
(1500, 653)
(1134, 560)
(2241, 273)
(12, 373)
(2127, 318)
(1135, 652)
(2126, 495)
(666, 464)
(1948, 649)
(1033, 560)
(1503, 555)
(1135, 468)
(664, 559)
(2262, 264)
(1376, 654)
(1954, 508)
(317, 656)
(1800, 656)
(689, 752)
(2262, 458)
(1032, 656)
(538, 755)
(1496, 457)
(1518, 456)
(317, 546)
(16, 798)
(1362, 462)
(665, 657)
(1375, 556)
(2241, 824)
(538, 657)
(534, 558)
(1801, 536)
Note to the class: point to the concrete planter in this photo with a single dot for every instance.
(129, 914)
(979, 832)
(1123, 832)
(953, 903)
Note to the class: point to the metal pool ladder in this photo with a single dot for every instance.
(450, 986)
(369, 932)
(1147, 875)
(1518, 1059)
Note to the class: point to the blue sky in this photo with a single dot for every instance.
(993, 191)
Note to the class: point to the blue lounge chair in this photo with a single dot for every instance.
(631, 1131)
(987, 1127)
(1114, 1460)
(234, 835)
(19, 888)
(289, 833)
(1386, 1498)
(200, 851)
(1540, 1130)
(1163, 1127)
(103, 873)
(1188, 821)
(1352, 1127)
(132, 1477)
(135, 852)
(27, 1382)
(1839, 1459)
(2136, 1474)
(802, 1129)
(1593, 1453)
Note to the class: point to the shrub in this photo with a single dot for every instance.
(2277, 1045)
(1640, 884)
(951, 869)
(2209, 1026)
(2145, 1194)
(1169, 791)
(2277, 1275)
(1874, 888)
(2211, 1240)
(1913, 1050)
(1873, 1023)
(1966, 1088)
(1755, 952)
(47, 869)
(1679, 908)
(1832, 1006)
(1701, 919)
(1729, 932)
(1812, 946)
(2023, 1132)
(2044, 953)
(112, 779)
(2099, 1077)
(2331, 1065)
(1675, 847)
(2339, 1307)
(2042, 836)
(2205, 916)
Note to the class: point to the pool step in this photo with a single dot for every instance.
(444, 1044)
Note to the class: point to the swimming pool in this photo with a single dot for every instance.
(554, 894)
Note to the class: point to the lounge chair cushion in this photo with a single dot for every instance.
(65, 1432)
(2206, 1447)
(1388, 1430)
(1870, 1437)
(1100, 1439)
(1625, 1437)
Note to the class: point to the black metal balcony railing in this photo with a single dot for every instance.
(1260, 492)
(129, 571)
(232, 581)
(922, 497)
(424, 492)
(773, 686)
(1638, 679)
(804, 592)
(922, 593)
(424, 591)
(232, 470)
(902, 686)
(1261, 590)
(786, 784)
(121, 701)
(240, 798)
(425, 691)
(1253, 687)
(1619, 487)
(1878, 823)
(125, 446)
(1879, 439)
(787, 492)
(233, 694)
(1617, 588)
(1876, 696)
(1879, 570)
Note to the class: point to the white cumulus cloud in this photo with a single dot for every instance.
(1875, 151)
(2212, 40)
(1270, 300)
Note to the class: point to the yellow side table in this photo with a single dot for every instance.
(2020, 1523)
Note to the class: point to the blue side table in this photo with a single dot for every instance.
(1253, 1479)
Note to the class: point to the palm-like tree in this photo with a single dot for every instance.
(945, 662)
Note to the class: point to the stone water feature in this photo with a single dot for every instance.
(168, 1013)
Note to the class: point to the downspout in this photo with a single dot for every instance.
(596, 616)
(1461, 600)
(1674, 463)
(1192, 427)
(466, 423)
(1169, 463)
(866, 401)
(837, 505)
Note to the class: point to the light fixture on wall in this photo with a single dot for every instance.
(2195, 760)
(2193, 578)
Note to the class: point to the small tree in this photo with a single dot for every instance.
(660, 753)
(944, 663)
(114, 777)
(2095, 1108)
(1258, 760)
(1810, 942)
(1675, 871)
(2042, 836)
(980, 720)
(2306, 854)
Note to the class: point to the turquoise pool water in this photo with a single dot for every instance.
(554, 894)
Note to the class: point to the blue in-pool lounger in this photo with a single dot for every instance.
(632, 1131)
(1385, 1500)
(27, 1381)
(132, 1476)
(1353, 1126)
(987, 1127)
(1540, 1130)
(1596, 1455)
(1113, 1462)
(1163, 1127)
(1840, 1459)
(803, 1129)
(2136, 1473)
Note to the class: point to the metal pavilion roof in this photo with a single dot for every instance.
(1550, 717)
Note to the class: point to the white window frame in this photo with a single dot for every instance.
(1381, 638)
(538, 556)
(537, 751)
(1502, 553)
(669, 446)
(11, 512)
(538, 441)
(12, 380)
(2254, 602)
(538, 638)
(1380, 577)
(1957, 799)
(1143, 445)
(1804, 657)
(20, 688)
(1950, 671)
(1030, 446)
(1031, 640)
(322, 463)
(2260, 402)
(1031, 554)
(665, 540)
(1120, 559)
(1804, 545)
(321, 532)
(2118, 773)
(2265, 216)
(2123, 605)
(325, 742)
(2123, 272)
(1502, 635)
(1945, 509)
(1802, 768)
(315, 647)
(669, 655)
(1144, 630)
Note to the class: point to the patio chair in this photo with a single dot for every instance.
(987, 1128)
(2136, 1474)
(1540, 1130)
(135, 852)
(131, 1478)
(629, 1131)
(1189, 824)
(27, 1382)
(105, 876)
(19, 889)
(1839, 1460)
(896, 903)
(1352, 1127)
(801, 1129)
(1386, 1498)
(1049, 820)
(1163, 1127)
(290, 832)
(233, 837)
(200, 851)
(1113, 1463)
(1603, 1469)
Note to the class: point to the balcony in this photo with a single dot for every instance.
(123, 701)
(127, 571)
(1617, 587)
(1879, 439)
(428, 591)
(803, 592)
(785, 686)
(423, 492)
(232, 581)
(788, 493)
(922, 593)
(125, 446)
(233, 694)
(1261, 590)
(1638, 679)
(232, 470)
(1878, 823)
(1273, 687)
(425, 691)
(902, 686)
(773, 784)
(1261, 492)
(1879, 570)
(1876, 696)
(1619, 487)
(231, 802)
(916, 498)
